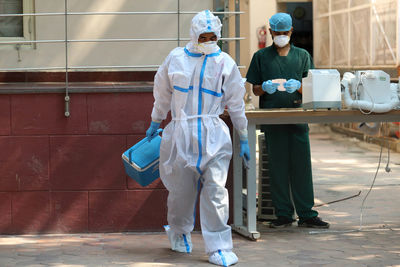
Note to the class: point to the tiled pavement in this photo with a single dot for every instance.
(342, 167)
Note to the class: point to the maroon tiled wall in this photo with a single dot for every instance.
(61, 174)
(5, 115)
(69, 211)
(90, 162)
(77, 76)
(24, 163)
(65, 175)
(43, 114)
(5, 211)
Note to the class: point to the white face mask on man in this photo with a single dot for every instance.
(281, 40)
(208, 47)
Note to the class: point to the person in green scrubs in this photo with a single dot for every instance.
(276, 73)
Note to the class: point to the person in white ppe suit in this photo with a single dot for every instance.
(196, 83)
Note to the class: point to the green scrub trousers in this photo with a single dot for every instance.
(290, 172)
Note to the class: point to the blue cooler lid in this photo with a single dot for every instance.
(144, 152)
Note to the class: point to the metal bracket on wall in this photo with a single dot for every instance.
(66, 113)
(66, 98)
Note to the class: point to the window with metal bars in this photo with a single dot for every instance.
(14, 25)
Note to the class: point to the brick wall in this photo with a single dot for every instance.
(65, 175)
(62, 174)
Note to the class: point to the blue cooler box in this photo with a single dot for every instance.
(141, 160)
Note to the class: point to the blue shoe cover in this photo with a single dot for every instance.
(223, 258)
(180, 243)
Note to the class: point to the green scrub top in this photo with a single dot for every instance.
(266, 64)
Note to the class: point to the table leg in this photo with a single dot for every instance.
(237, 183)
(252, 185)
(250, 230)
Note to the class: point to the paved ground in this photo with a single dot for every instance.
(342, 167)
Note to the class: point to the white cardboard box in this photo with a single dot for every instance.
(321, 89)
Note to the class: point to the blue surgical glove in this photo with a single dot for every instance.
(269, 87)
(292, 85)
(152, 131)
(244, 150)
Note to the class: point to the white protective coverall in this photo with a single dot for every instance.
(196, 145)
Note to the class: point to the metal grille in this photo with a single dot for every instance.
(67, 41)
(356, 34)
(266, 210)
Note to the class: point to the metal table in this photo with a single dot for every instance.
(281, 116)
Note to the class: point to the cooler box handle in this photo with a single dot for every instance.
(139, 144)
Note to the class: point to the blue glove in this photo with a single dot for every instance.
(244, 150)
(152, 131)
(269, 87)
(292, 85)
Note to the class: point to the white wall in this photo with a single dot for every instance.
(398, 39)
(104, 27)
(259, 13)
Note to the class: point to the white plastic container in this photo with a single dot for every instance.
(376, 86)
(321, 89)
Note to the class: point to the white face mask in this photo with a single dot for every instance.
(281, 40)
(208, 47)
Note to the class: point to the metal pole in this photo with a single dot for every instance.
(66, 98)
(179, 10)
(237, 32)
(110, 13)
(109, 40)
(225, 28)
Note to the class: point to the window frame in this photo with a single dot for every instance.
(28, 27)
